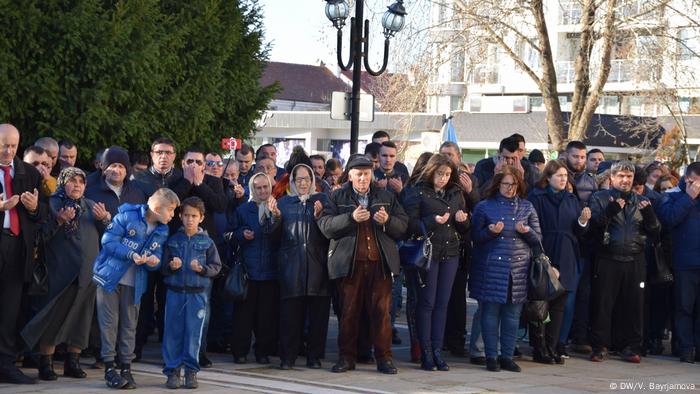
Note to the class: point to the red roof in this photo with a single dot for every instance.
(303, 82)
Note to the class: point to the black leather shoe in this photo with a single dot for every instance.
(492, 365)
(387, 367)
(538, 357)
(343, 365)
(479, 360)
(262, 360)
(286, 365)
(71, 366)
(440, 364)
(426, 360)
(509, 365)
(313, 363)
(46, 371)
(204, 361)
(240, 359)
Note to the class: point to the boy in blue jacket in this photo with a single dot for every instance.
(132, 244)
(191, 263)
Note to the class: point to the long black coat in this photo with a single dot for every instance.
(68, 259)
(560, 232)
(26, 179)
(211, 191)
(338, 225)
(303, 254)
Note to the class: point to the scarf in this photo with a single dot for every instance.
(263, 210)
(293, 188)
(72, 226)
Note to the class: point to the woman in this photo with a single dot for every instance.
(504, 229)
(410, 201)
(71, 243)
(254, 225)
(441, 213)
(283, 185)
(562, 220)
(303, 273)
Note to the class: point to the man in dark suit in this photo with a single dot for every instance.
(20, 214)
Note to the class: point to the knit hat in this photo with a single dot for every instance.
(116, 154)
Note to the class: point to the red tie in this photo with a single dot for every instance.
(14, 218)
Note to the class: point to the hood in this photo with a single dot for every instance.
(293, 187)
(251, 188)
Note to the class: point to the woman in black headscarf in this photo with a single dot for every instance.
(71, 243)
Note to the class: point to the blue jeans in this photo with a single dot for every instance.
(507, 316)
(476, 342)
(185, 314)
(569, 310)
(687, 294)
(396, 296)
(432, 303)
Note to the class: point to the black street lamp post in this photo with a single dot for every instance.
(393, 20)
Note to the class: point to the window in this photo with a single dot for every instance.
(442, 12)
(456, 103)
(569, 12)
(457, 66)
(688, 43)
(475, 104)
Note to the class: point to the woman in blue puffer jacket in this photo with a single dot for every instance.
(504, 229)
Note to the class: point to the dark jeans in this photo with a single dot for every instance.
(11, 279)
(368, 288)
(687, 299)
(221, 322)
(456, 324)
(150, 317)
(580, 328)
(293, 314)
(258, 314)
(617, 296)
(499, 321)
(659, 308)
(412, 286)
(432, 303)
(396, 297)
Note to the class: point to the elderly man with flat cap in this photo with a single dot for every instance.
(20, 215)
(363, 223)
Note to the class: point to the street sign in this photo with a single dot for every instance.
(341, 106)
(230, 143)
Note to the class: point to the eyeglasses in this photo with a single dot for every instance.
(508, 185)
(38, 163)
(212, 163)
(302, 179)
(190, 161)
(163, 152)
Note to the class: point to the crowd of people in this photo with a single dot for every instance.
(100, 261)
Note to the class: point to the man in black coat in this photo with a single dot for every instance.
(363, 224)
(508, 155)
(20, 213)
(113, 188)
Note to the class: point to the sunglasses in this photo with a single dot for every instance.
(212, 163)
(190, 161)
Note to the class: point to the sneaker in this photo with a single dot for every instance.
(126, 374)
(191, 380)
(173, 380)
(113, 380)
(561, 350)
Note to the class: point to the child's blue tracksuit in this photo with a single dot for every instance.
(186, 299)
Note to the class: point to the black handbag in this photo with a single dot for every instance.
(535, 311)
(417, 251)
(236, 285)
(543, 283)
(39, 282)
(663, 273)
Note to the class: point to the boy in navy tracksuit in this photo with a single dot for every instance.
(191, 261)
(131, 245)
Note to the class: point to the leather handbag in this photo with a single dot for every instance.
(543, 282)
(535, 311)
(417, 251)
(39, 281)
(236, 285)
(663, 273)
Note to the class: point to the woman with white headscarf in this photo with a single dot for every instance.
(255, 222)
(303, 271)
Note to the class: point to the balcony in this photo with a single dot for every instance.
(485, 74)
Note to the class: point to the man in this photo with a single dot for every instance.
(583, 181)
(114, 188)
(244, 157)
(215, 166)
(267, 166)
(363, 224)
(50, 145)
(67, 154)
(624, 219)
(680, 214)
(387, 176)
(334, 172)
(455, 327)
(508, 155)
(139, 163)
(21, 214)
(382, 136)
(94, 176)
(37, 157)
(536, 158)
(270, 151)
(372, 153)
(318, 164)
(593, 160)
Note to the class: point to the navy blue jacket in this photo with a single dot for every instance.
(558, 215)
(681, 216)
(98, 191)
(584, 185)
(498, 258)
(125, 236)
(303, 250)
(197, 247)
(258, 253)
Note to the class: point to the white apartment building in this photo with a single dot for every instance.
(657, 49)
